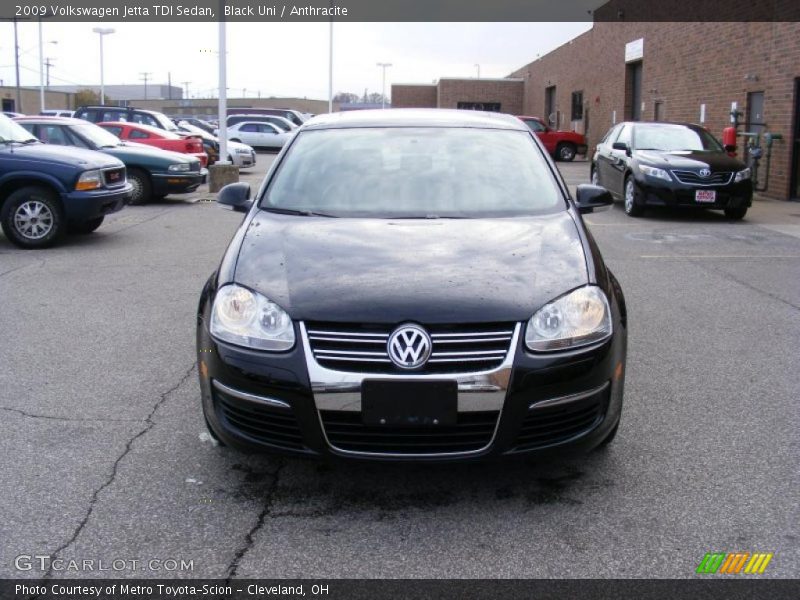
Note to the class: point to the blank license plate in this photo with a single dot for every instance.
(705, 196)
(389, 403)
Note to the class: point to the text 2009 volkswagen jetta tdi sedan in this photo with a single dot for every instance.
(412, 284)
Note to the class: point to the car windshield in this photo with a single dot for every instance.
(671, 138)
(401, 172)
(164, 121)
(13, 132)
(97, 136)
(189, 128)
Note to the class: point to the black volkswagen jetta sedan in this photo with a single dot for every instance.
(670, 164)
(412, 285)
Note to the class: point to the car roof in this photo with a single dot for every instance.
(53, 119)
(415, 117)
(110, 107)
(141, 126)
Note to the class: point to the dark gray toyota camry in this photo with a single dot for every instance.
(412, 285)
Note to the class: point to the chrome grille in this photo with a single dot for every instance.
(693, 178)
(114, 177)
(455, 348)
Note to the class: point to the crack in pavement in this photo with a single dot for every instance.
(249, 539)
(80, 419)
(150, 424)
(4, 273)
(730, 277)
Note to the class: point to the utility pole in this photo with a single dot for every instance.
(330, 67)
(169, 85)
(383, 85)
(186, 85)
(48, 63)
(18, 106)
(144, 77)
(41, 68)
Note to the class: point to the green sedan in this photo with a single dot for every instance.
(154, 173)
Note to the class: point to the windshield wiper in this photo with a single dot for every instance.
(299, 213)
(28, 141)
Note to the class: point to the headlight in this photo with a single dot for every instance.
(742, 175)
(247, 318)
(579, 318)
(655, 172)
(180, 167)
(90, 180)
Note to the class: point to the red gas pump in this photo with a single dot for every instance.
(729, 140)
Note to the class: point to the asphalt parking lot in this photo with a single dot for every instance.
(106, 456)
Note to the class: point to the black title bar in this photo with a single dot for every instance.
(185, 11)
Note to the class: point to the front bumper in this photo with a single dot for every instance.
(243, 161)
(661, 193)
(84, 206)
(532, 404)
(176, 183)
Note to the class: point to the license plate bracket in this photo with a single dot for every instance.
(392, 403)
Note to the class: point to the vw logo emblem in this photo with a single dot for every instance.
(409, 346)
(705, 172)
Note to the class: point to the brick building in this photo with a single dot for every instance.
(29, 101)
(503, 95)
(622, 70)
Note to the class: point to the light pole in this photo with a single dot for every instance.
(478, 67)
(330, 68)
(383, 85)
(101, 31)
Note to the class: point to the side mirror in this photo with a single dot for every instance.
(622, 146)
(235, 196)
(591, 197)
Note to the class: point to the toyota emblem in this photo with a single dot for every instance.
(705, 172)
(409, 346)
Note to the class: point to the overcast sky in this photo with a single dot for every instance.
(280, 59)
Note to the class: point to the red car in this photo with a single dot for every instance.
(160, 138)
(562, 145)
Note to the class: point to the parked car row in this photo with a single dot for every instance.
(46, 189)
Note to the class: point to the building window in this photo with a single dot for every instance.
(577, 106)
(487, 106)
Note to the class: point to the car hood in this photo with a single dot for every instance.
(239, 145)
(430, 271)
(65, 155)
(148, 154)
(687, 159)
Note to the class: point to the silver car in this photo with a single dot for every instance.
(259, 135)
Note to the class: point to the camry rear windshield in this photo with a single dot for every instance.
(414, 173)
(671, 138)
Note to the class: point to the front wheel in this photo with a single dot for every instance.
(632, 206)
(87, 226)
(142, 190)
(566, 152)
(31, 217)
(736, 213)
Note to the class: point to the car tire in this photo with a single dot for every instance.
(736, 213)
(631, 198)
(595, 179)
(32, 217)
(566, 152)
(86, 227)
(142, 190)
